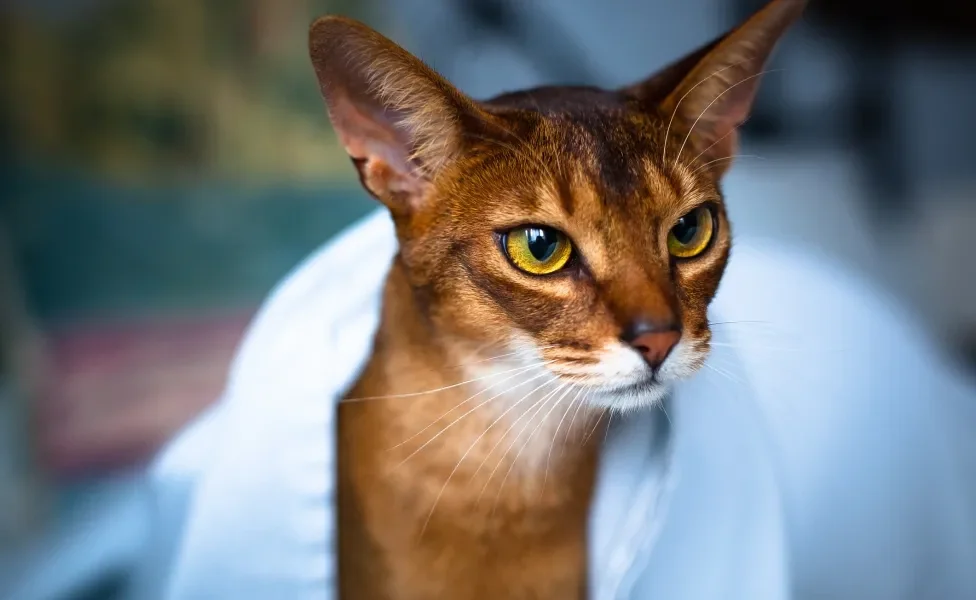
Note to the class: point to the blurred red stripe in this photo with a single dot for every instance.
(117, 391)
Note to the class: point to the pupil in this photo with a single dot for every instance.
(542, 243)
(686, 228)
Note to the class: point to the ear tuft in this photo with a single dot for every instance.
(399, 121)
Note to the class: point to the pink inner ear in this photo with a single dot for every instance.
(380, 153)
(370, 137)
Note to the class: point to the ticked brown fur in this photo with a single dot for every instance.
(466, 449)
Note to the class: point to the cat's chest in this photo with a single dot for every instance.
(464, 511)
(463, 490)
(470, 465)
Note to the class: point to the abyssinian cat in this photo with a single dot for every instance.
(558, 249)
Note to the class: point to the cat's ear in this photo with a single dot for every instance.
(399, 121)
(709, 93)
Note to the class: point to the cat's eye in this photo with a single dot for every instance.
(691, 234)
(537, 249)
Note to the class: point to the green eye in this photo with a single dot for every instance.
(691, 234)
(537, 250)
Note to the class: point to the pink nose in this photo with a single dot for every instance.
(655, 346)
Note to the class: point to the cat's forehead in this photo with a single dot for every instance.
(599, 153)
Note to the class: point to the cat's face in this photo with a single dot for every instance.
(575, 228)
(569, 239)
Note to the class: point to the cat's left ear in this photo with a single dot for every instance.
(706, 95)
(399, 121)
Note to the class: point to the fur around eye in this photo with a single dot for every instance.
(692, 233)
(537, 250)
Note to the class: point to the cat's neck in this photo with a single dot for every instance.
(447, 406)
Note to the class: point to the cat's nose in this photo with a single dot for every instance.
(653, 341)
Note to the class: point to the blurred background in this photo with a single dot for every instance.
(165, 162)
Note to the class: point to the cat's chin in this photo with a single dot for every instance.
(630, 396)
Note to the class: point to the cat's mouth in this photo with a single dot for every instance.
(649, 385)
(646, 391)
(621, 379)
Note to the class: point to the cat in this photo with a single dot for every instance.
(558, 250)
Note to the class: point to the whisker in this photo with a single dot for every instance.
(598, 419)
(533, 410)
(471, 447)
(511, 465)
(747, 331)
(785, 400)
(754, 347)
(716, 142)
(664, 152)
(725, 374)
(512, 426)
(572, 421)
(457, 406)
(720, 387)
(491, 358)
(716, 99)
(446, 387)
(455, 421)
(606, 434)
(666, 415)
(488, 344)
(555, 436)
(733, 157)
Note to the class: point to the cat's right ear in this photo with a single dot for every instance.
(709, 93)
(399, 121)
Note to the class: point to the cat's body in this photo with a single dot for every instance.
(478, 536)
(558, 249)
(506, 475)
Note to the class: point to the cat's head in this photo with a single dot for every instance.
(579, 227)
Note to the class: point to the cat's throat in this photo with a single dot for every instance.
(476, 490)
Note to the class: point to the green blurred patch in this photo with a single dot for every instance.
(156, 90)
(88, 247)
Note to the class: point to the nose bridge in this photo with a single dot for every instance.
(643, 294)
